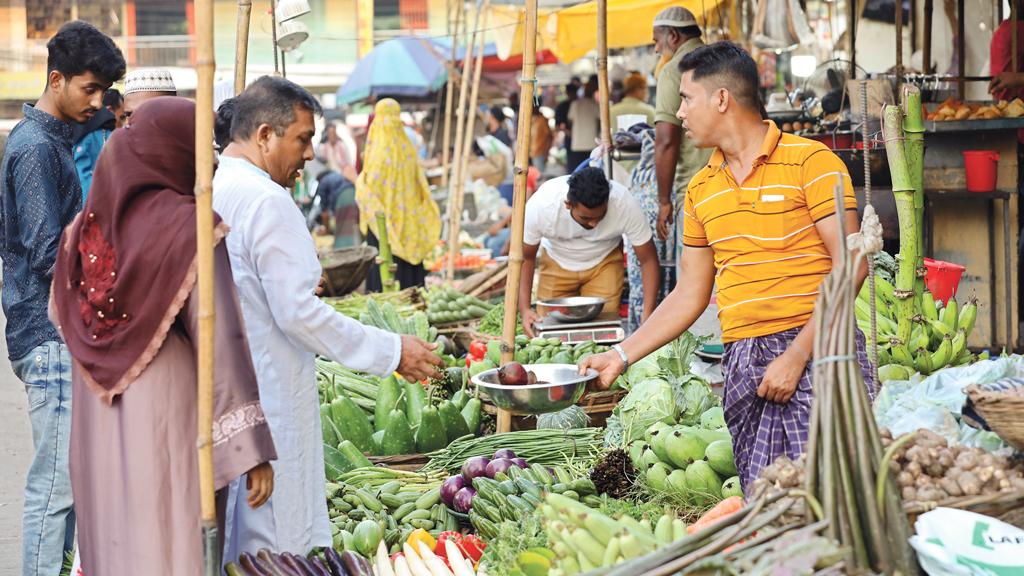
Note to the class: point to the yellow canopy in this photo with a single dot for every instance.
(572, 32)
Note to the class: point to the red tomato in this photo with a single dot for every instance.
(478, 349)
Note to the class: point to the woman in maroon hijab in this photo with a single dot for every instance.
(124, 300)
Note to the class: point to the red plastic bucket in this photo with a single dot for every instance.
(942, 278)
(980, 166)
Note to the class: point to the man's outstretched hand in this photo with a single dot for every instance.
(419, 361)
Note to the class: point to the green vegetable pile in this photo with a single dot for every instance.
(547, 447)
(515, 494)
(386, 317)
(493, 322)
(537, 351)
(446, 305)
(371, 505)
(405, 302)
(406, 418)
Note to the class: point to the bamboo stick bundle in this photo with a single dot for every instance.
(527, 84)
(845, 469)
(205, 67)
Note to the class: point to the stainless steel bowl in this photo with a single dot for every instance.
(573, 308)
(564, 388)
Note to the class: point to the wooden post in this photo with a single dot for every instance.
(385, 260)
(449, 101)
(205, 68)
(899, 43)
(459, 193)
(602, 85)
(273, 33)
(1014, 40)
(851, 37)
(926, 49)
(961, 43)
(242, 44)
(527, 84)
(453, 248)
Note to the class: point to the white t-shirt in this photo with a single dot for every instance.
(549, 223)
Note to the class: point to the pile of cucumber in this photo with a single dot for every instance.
(365, 512)
(407, 419)
(446, 305)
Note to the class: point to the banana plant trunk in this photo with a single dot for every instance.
(903, 190)
(913, 132)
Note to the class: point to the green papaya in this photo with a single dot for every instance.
(352, 423)
(389, 394)
(398, 438)
(704, 485)
(431, 434)
(719, 456)
(454, 424)
(415, 400)
(563, 357)
(712, 418)
(683, 447)
(732, 487)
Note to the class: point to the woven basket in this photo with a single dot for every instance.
(346, 268)
(1003, 411)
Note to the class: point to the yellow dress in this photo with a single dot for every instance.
(393, 182)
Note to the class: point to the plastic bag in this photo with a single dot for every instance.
(951, 542)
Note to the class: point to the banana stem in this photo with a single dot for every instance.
(903, 190)
(913, 131)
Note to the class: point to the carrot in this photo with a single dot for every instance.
(727, 507)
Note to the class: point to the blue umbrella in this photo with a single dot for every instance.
(403, 67)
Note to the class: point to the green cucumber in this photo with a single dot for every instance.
(454, 424)
(415, 400)
(398, 438)
(429, 499)
(352, 423)
(431, 433)
(389, 394)
(352, 454)
(403, 511)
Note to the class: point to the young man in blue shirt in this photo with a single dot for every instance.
(40, 194)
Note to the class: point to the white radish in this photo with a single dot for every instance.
(402, 567)
(435, 564)
(416, 565)
(383, 562)
(460, 565)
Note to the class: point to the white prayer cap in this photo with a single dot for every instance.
(675, 17)
(149, 80)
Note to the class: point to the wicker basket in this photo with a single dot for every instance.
(346, 268)
(1003, 411)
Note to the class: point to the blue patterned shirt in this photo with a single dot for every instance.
(39, 196)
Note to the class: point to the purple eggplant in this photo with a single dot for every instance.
(499, 465)
(307, 566)
(356, 564)
(251, 566)
(451, 487)
(521, 462)
(269, 564)
(333, 561)
(292, 562)
(320, 566)
(473, 467)
(504, 453)
(464, 500)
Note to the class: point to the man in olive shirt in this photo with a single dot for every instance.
(676, 158)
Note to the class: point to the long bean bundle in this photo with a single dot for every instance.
(547, 447)
(844, 451)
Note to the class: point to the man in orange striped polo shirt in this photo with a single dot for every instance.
(760, 221)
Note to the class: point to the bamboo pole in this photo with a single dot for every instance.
(457, 199)
(602, 85)
(273, 33)
(460, 127)
(205, 67)
(242, 44)
(527, 84)
(449, 101)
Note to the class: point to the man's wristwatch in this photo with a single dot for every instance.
(622, 354)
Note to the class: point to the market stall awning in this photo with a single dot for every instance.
(493, 59)
(403, 67)
(570, 33)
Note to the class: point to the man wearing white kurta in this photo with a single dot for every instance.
(275, 267)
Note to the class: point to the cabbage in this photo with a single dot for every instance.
(694, 397)
(571, 417)
(649, 401)
(646, 367)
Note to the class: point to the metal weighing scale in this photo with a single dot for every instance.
(602, 330)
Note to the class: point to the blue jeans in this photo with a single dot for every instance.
(48, 524)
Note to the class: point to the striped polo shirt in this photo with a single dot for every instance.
(769, 258)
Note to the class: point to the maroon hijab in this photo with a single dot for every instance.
(127, 263)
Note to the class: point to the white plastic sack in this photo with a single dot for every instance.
(951, 542)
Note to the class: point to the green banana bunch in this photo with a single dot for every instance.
(968, 315)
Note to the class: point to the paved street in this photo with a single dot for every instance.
(15, 455)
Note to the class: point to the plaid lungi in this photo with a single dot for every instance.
(762, 430)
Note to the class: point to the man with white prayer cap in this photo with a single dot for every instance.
(145, 84)
(676, 159)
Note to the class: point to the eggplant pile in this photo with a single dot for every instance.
(326, 562)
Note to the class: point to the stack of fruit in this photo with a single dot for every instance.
(446, 305)
(407, 420)
(487, 356)
(693, 464)
(506, 487)
(584, 539)
(938, 338)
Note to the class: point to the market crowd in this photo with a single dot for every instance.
(97, 216)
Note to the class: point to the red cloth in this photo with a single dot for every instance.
(126, 265)
(1000, 56)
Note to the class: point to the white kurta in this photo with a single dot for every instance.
(275, 267)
